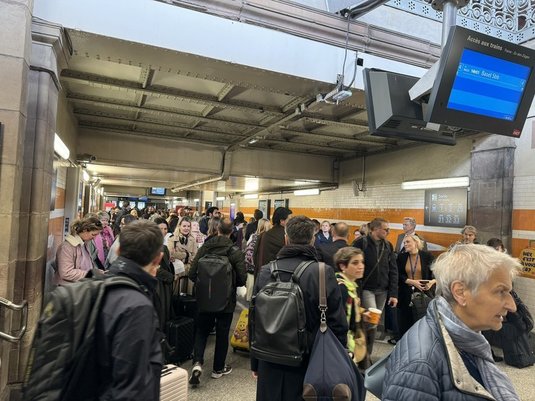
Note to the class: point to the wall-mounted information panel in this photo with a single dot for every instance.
(446, 207)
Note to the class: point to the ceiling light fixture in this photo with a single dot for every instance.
(220, 198)
(304, 192)
(60, 148)
(254, 140)
(250, 196)
(454, 182)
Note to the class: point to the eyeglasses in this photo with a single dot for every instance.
(387, 229)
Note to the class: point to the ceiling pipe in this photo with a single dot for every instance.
(225, 161)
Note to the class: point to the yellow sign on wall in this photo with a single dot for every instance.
(527, 258)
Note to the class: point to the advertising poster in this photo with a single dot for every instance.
(527, 258)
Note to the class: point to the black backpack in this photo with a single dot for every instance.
(215, 282)
(278, 321)
(63, 360)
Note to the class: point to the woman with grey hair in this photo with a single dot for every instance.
(444, 356)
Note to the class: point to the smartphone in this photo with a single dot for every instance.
(424, 281)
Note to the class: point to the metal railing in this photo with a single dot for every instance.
(23, 308)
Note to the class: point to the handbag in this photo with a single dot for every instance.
(360, 351)
(419, 302)
(331, 374)
(375, 376)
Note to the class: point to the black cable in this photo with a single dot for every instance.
(346, 46)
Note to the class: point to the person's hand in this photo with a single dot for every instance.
(415, 283)
(366, 316)
(393, 302)
(431, 284)
(255, 375)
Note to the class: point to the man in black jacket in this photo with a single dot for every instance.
(210, 212)
(380, 273)
(326, 251)
(219, 245)
(270, 242)
(280, 382)
(251, 228)
(128, 337)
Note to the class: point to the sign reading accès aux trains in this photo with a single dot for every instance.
(527, 258)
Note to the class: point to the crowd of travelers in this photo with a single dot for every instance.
(435, 309)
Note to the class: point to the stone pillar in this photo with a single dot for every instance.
(491, 188)
(15, 49)
(25, 176)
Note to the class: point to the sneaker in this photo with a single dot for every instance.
(196, 373)
(216, 374)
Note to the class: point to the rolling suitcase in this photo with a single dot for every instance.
(240, 335)
(173, 384)
(180, 334)
(183, 304)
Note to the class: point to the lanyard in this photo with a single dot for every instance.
(413, 268)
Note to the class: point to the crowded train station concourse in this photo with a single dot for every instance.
(179, 143)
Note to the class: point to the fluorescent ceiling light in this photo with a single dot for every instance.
(85, 175)
(220, 198)
(60, 148)
(254, 140)
(251, 184)
(250, 196)
(453, 182)
(303, 192)
(195, 200)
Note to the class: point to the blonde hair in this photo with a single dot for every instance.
(472, 264)
(418, 240)
(263, 226)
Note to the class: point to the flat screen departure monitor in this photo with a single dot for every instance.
(157, 191)
(483, 83)
(445, 207)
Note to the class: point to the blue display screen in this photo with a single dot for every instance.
(488, 86)
(157, 191)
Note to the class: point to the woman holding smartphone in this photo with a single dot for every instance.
(414, 268)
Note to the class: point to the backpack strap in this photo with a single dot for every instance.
(296, 274)
(300, 269)
(322, 297)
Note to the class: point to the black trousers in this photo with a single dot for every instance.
(205, 323)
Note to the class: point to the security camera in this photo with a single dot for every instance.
(86, 158)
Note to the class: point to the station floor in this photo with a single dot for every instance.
(240, 385)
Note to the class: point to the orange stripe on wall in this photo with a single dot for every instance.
(392, 215)
(524, 220)
(59, 202)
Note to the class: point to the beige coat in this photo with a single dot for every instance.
(183, 252)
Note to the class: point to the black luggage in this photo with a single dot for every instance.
(184, 304)
(180, 334)
(516, 346)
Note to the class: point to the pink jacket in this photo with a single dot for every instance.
(73, 261)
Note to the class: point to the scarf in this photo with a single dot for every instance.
(290, 251)
(473, 343)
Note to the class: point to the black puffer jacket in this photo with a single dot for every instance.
(221, 245)
(128, 339)
(385, 275)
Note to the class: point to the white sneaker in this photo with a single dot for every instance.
(196, 373)
(216, 374)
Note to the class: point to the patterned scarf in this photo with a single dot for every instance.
(473, 343)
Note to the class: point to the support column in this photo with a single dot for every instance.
(15, 48)
(491, 188)
(26, 172)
